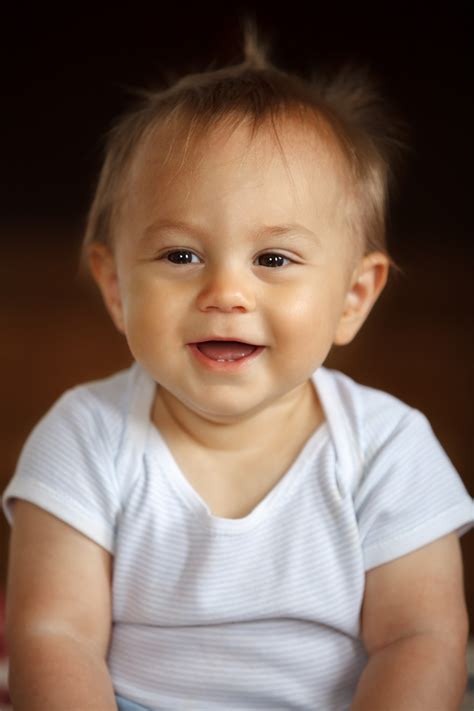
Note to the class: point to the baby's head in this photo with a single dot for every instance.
(245, 204)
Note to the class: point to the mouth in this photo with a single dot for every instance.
(225, 356)
(225, 351)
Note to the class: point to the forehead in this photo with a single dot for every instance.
(278, 169)
(184, 149)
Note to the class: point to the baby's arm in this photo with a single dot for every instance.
(58, 616)
(415, 627)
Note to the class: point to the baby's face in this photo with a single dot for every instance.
(237, 246)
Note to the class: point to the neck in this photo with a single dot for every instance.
(251, 432)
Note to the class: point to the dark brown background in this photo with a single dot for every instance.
(66, 77)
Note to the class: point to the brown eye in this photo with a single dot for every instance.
(180, 256)
(273, 260)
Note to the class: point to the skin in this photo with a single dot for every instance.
(413, 621)
(227, 192)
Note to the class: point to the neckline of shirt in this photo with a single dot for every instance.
(159, 455)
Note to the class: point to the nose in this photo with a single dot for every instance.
(226, 289)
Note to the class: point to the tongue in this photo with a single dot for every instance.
(225, 350)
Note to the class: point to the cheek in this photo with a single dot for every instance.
(306, 318)
(147, 316)
(302, 307)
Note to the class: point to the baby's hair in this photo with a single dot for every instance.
(344, 109)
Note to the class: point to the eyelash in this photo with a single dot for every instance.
(188, 251)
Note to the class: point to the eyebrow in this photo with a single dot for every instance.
(285, 230)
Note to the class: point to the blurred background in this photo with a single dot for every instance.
(67, 73)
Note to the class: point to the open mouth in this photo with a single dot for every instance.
(226, 351)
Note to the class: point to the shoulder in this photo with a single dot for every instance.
(373, 416)
(68, 463)
(103, 396)
(97, 409)
(107, 398)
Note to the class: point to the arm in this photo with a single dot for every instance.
(415, 628)
(58, 616)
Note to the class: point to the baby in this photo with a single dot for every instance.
(228, 524)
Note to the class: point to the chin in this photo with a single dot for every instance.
(221, 411)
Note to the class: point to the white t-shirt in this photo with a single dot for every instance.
(260, 612)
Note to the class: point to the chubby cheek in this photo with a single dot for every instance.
(303, 325)
(149, 320)
(141, 336)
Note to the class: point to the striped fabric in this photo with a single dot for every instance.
(260, 612)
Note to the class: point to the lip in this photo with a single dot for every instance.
(227, 366)
(224, 338)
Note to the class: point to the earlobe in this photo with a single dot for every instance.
(368, 281)
(104, 270)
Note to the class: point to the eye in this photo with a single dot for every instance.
(273, 260)
(180, 256)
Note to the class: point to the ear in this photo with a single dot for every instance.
(104, 270)
(368, 280)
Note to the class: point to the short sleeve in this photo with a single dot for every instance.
(66, 467)
(410, 494)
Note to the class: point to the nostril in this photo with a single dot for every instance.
(224, 308)
(229, 296)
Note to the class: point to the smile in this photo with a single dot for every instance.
(225, 350)
(224, 355)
